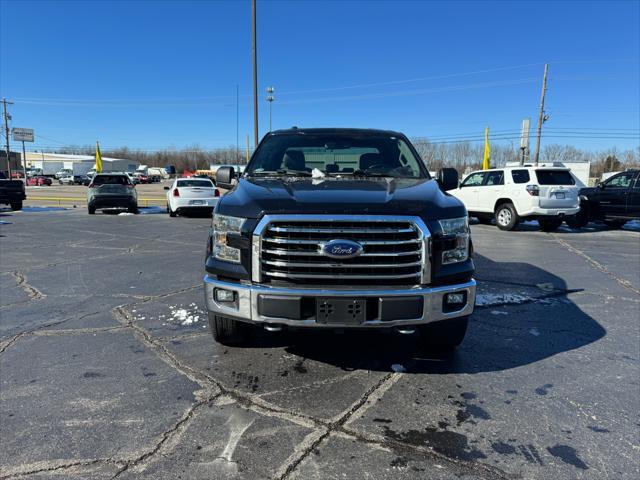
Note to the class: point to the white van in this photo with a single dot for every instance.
(510, 194)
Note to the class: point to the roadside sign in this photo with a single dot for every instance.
(22, 134)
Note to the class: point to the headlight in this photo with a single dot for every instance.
(222, 226)
(460, 228)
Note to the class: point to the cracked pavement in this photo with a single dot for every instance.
(108, 369)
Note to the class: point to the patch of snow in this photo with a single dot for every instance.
(487, 299)
(152, 210)
(396, 367)
(125, 214)
(633, 225)
(499, 312)
(315, 173)
(42, 209)
(186, 316)
(535, 332)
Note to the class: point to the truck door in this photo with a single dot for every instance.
(613, 194)
(633, 199)
(470, 189)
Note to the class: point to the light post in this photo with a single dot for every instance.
(270, 99)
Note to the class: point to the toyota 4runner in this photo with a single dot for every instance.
(548, 194)
(339, 228)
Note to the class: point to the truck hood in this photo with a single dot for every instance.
(255, 197)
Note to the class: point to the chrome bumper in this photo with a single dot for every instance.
(247, 303)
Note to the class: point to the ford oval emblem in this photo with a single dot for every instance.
(341, 249)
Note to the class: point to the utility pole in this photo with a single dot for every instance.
(270, 99)
(541, 116)
(255, 72)
(247, 159)
(6, 132)
(237, 141)
(524, 141)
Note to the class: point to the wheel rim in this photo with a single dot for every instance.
(504, 217)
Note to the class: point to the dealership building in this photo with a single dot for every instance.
(81, 163)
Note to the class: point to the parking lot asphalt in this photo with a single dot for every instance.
(108, 368)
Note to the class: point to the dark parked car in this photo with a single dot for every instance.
(81, 180)
(339, 228)
(614, 201)
(12, 192)
(112, 190)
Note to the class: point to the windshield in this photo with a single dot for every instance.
(331, 154)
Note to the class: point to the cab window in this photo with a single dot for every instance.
(473, 180)
(622, 180)
(495, 177)
(520, 176)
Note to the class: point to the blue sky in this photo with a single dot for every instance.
(154, 74)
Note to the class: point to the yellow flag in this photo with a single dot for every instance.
(487, 151)
(98, 159)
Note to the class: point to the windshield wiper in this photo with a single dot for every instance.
(361, 173)
(282, 172)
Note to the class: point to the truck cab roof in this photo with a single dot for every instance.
(358, 132)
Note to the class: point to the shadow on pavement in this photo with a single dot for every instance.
(494, 342)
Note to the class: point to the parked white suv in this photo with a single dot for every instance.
(510, 194)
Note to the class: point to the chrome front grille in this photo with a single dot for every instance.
(288, 248)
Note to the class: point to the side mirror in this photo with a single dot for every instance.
(166, 188)
(224, 177)
(447, 178)
(601, 185)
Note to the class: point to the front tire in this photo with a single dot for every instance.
(91, 210)
(549, 224)
(228, 331)
(443, 335)
(16, 206)
(506, 217)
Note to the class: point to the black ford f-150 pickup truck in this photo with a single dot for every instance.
(339, 228)
(12, 192)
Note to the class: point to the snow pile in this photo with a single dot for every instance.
(125, 214)
(633, 225)
(486, 299)
(396, 367)
(185, 315)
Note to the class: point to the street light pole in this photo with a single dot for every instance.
(6, 132)
(270, 99)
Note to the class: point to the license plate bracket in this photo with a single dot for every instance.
(196, 202)
(344, 311)
(560, 196)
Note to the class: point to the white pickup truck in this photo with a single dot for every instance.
(510, 194)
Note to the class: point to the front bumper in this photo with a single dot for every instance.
(247, 300)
